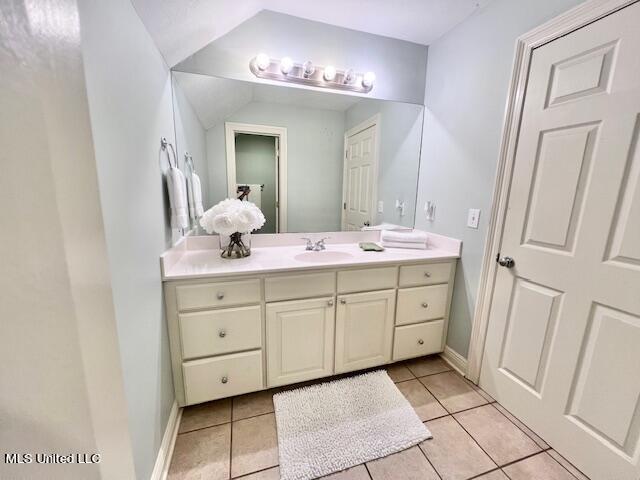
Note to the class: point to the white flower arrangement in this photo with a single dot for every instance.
(232, 216)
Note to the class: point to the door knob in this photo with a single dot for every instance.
(507, 262)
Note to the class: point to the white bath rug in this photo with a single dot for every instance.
(332, 426)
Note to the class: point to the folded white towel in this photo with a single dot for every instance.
(403, 237)
(412, 245)
(195, 197)
(176, 185)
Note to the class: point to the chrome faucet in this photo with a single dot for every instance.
(317, 246)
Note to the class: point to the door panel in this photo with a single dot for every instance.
(563, 344)
(299, 340)
(364, 330)
(360, 179)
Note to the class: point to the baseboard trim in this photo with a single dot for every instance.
(163, 460)
(453, 358)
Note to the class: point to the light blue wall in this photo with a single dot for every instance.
(400, 136)
(129, 91)
(399, 66)
(314, 164)
(467, 80)
(190, 136)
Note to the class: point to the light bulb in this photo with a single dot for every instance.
(329, 73)
(349, 76)
(286, 64)
(308, 69)
(263, 61)
(368, 79)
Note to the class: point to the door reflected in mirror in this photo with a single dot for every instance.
(312, 161)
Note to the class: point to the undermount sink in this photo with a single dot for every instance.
(323, 256)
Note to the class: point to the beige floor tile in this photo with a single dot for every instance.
(427, 365)
(453, 453)
(452, 391)
(425, 404)
(566, 464)
(538, 467)
(202, 454)
(495, 475)
(501, 439)
(270, 474)
(481, 392)
(539, 441)
(255, 445)
(252, 404)
(356, 473)
(409, 464)
(205, 415)
(398, 372)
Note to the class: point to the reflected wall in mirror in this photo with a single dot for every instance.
(313, 161)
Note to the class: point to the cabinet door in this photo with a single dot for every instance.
(364, 330)
(299, 340)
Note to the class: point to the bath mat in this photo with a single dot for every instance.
(332, 426)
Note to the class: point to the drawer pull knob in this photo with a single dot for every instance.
(420, 342)
(224, 379)
(222, 333)
(330, 303)
(425, 305)
(427, 274)
(343, 301)
(220, 295)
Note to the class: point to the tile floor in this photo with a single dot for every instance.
(473, 436)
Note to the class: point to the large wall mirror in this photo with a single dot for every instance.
(311, 160)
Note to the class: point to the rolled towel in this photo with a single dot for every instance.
(176, 185)
(403, 237)
(195, 198)
(412, 245)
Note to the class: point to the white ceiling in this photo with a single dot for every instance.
(216, 99)
(182, 27)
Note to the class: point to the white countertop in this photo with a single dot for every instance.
(192, 261)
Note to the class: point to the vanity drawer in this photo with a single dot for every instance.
(208, 295)
(421, 303)
(367, 279)
(220, 331)
(291, 287)
(224, 376)
(417, 340)
(426, 274)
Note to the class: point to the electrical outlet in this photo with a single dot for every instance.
(474, 218)
(380, 206)
(430, 211)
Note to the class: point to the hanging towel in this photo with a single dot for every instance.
(195, 197)
(403, 237)
(177, 187)
(415, 245)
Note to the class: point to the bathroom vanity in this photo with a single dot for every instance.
(285, 315)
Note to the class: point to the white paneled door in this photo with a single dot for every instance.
(360, 178)
(563, 346)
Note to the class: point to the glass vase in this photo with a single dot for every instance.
(236, 245)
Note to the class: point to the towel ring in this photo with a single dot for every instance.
(164, 144)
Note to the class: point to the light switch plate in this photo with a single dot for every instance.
(473, 218)
(380, 206)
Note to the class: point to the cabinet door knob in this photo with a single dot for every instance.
(427, 274)
(220, 295)
(222, 333)
(420, 341)
(330, 303)
(343, 301)
(425, 305)
(224, 379)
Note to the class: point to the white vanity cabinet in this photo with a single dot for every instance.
(244, 333)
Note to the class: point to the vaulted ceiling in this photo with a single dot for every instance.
(182, 27)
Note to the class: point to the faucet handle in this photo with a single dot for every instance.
(320, 243)
(309, 243)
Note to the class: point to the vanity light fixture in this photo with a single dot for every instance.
(329, 73)
(286, 64)
(286, 70)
